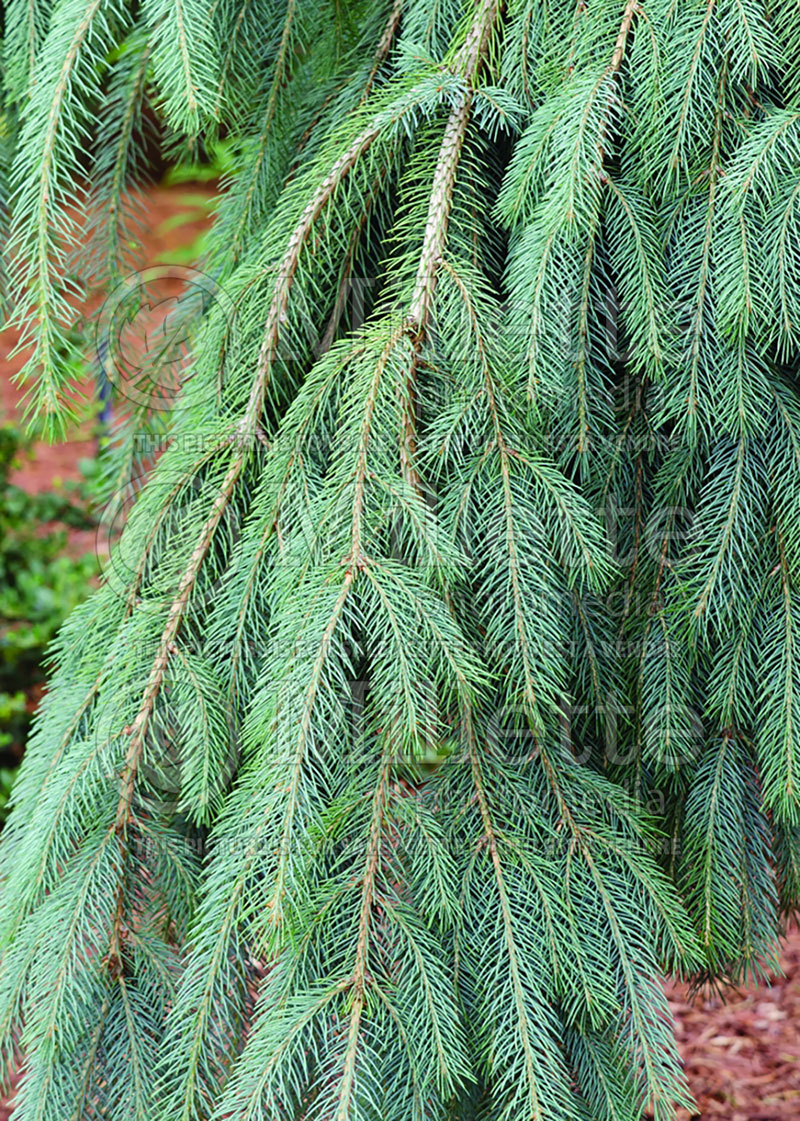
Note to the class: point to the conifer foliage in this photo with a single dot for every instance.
(443, 691)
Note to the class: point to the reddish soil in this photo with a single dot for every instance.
(743, 1056)
(176, 217)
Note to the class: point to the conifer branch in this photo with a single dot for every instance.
(530, 1058)
(337, 795)
(358, 978)
(384, 46)
(255, 168)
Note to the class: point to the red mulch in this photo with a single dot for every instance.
(742, 1056)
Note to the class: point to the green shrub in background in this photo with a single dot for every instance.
(39, 586)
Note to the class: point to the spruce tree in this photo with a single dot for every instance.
(443, 691)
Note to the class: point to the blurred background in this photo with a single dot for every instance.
(742, 1053)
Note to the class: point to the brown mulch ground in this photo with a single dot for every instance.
(742, 1056)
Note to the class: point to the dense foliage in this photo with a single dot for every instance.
(446, 691)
